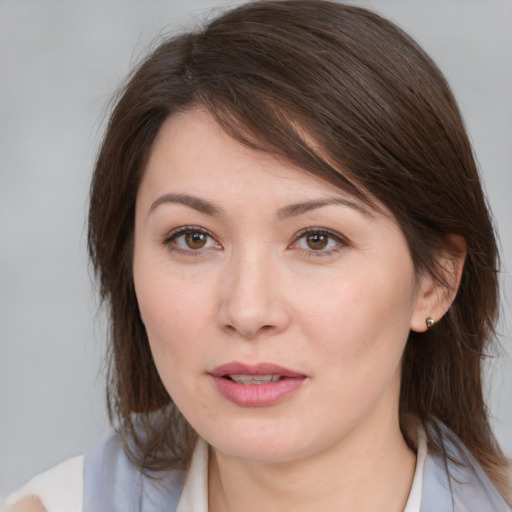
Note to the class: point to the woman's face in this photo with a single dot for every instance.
(277, 306)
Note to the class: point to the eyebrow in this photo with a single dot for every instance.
(295, 209)
(292, 210)
(196, 203)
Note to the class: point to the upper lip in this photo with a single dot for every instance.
(253, 369)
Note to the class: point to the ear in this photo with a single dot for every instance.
(435, 296)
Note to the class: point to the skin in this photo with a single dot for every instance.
(30, 504)
(245, 284)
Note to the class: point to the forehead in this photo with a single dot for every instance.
(193, 154)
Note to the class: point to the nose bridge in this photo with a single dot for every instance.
(252, 300)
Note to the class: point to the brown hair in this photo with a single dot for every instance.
(278, 75)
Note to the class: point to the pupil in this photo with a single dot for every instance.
(317, 242)
(195, 240)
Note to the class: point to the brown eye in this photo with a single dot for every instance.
(317, 241)
(191, 240)
(196, 240)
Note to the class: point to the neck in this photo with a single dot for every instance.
(365, 471)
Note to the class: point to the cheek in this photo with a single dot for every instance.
(175, 314)
(177, 318)
(171, 321)
(364, 324)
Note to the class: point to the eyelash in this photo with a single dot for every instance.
(184, 230)
(331, 235)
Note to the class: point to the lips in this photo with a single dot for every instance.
(258, 385)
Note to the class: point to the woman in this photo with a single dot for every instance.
(289, 230)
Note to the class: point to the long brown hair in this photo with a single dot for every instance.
(289, 77)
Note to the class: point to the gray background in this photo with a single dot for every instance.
(60, 62)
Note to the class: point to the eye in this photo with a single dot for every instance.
(320, 241)
(191, 239)
(194, 239)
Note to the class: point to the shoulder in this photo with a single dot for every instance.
(105, 479)
(28, 504)
(112, 482)
(454, 481)
(58, 489)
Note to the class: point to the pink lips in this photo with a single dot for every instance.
(255, 394)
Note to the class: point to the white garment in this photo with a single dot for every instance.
(414, 501)
(194, 497)
(60, 489)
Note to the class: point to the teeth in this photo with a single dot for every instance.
(241, 378)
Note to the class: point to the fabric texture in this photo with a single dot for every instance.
(113, 484)
(108, 482)
(60, 489)
(452, 487)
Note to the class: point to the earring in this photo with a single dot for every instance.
(430, 322)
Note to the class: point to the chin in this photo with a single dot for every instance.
(259, 443)
(261, 451)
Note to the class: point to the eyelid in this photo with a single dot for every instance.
(182, 230)
(340, 240)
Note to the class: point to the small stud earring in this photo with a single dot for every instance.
(430, 322)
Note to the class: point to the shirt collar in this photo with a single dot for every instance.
(194, 497)
(414, 501)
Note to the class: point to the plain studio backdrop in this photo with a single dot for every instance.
(60, 63)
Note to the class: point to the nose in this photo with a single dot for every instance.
(253, 297)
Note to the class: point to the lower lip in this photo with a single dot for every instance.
(257, 395)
